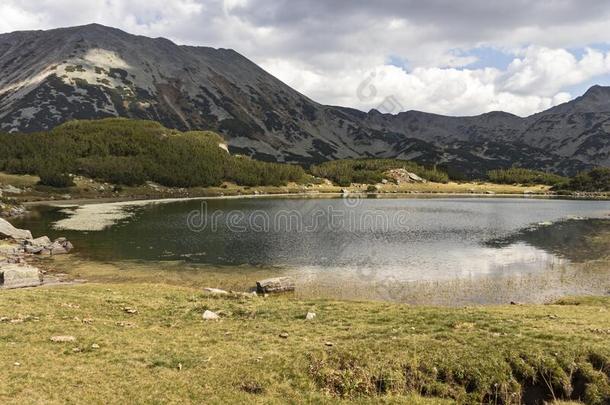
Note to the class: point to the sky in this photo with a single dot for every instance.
(440, 56)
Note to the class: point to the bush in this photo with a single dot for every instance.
(595, 180)
(371, 171)
(131, 152)
(55, 179)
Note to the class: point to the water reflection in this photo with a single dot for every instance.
(415, 239)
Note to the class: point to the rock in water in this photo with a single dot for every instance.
(275, 285)
(16, 276)
(210, 316)
(43, 241)
(9, 231)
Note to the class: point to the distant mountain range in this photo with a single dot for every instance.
(48, 77)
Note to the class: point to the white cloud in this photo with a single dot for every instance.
(531, 83)
(546, 71)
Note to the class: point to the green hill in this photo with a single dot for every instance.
(131, 152)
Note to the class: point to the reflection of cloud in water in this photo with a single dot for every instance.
(461, 262)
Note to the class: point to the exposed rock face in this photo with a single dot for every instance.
(48, 77)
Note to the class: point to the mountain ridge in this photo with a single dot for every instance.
(93, 71)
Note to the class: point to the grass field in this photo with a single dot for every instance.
(352, 351)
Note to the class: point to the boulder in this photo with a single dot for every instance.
(415, 177)
(57, 249)
(9, 231)
(210, 316)
(275, 285)
(310, 316)
(19, 276)
(60, 246)
(33, 250)
(43, 241)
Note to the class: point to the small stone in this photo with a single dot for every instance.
(329, 344)
(63, 339)
(210, 316)
(130, 310)
(76, 350)
(215, 291)
(310, 316)
(95, 346)
(16, 364)
(284, 335)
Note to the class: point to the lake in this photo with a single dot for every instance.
(355, 240)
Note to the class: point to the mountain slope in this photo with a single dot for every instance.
(49, 77)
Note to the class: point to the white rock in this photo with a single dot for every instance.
(9, 231)
(62, 339)
(19, 276)
(210, 316)
(215, 291)
(310, 316)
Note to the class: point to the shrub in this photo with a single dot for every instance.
(130, 152)
(370, 171)
(55, 179)
(517, 175)
(595, 180)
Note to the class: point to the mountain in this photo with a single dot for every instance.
(48, 77)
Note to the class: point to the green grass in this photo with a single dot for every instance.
(380, 352)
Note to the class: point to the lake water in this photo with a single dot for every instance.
(401, 239)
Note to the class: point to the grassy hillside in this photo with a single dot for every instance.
(351, 352)
(131, 152)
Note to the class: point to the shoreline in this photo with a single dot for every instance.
(66, 203)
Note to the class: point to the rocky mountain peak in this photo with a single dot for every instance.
(596, 99)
